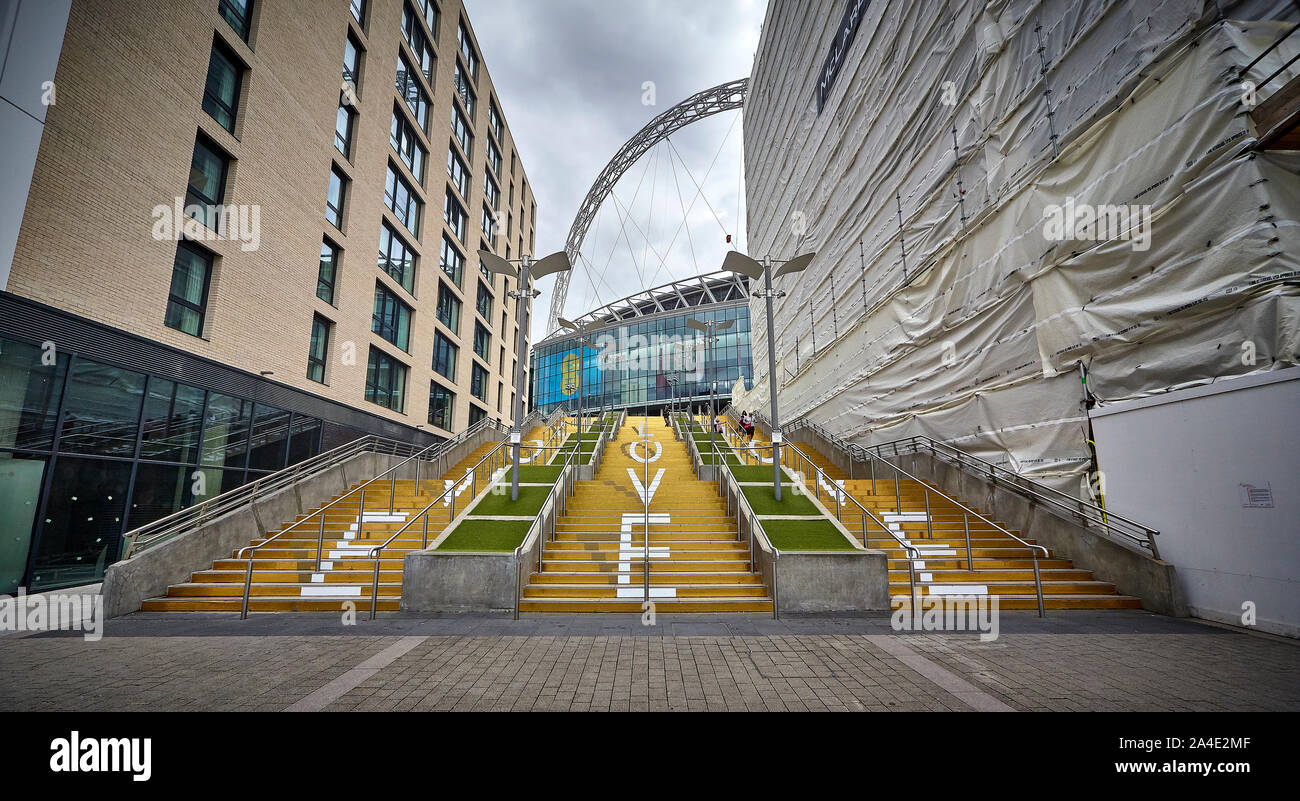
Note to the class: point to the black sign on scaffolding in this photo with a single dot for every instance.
(835, 58)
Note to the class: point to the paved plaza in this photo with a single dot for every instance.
(1110, 661)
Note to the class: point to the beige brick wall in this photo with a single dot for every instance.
(119, 141)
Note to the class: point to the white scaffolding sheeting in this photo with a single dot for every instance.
(937, 302)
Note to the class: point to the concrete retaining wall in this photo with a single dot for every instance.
(832, 581)
(459, 582)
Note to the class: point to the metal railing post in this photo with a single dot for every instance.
(320, 539)
(965, 521)
(929, 524)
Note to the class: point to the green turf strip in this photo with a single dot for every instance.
(537, 474)
(497, 502)
(762, 501)
(486, 535)
(805, 535)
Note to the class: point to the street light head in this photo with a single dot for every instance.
(797, 264)
(724, 325)
(738, 262)
(495, 264)
(569, 325)
(554, 263)
(696, 325)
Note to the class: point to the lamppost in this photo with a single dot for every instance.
(738, 262)
(710, 329)
(583, 339)
(672, 395)
(526, 274)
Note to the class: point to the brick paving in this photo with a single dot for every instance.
(1067, 661)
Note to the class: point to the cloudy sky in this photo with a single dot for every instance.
(570, 75)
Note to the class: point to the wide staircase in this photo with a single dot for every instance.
(1002, 566)
(285, 577)
(597, 560)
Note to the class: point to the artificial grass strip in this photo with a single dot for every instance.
(497, 502)
(805, 535)
(763, 501)
(537, 474)
(759, 473)
(487, 535)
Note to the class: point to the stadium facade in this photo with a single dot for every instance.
(1055, 234)
(640, 353)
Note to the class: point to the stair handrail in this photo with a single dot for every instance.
(756, 531)
(1112, 525)
(1034, 550)
(361, 513)
(966, 510)
(494, 456)
(564, 485)
(155, 532)
(910, 551)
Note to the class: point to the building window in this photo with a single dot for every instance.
(419, 42)
(448, 308)
(460, 129)
(442, 405)
(392, 318)
(207, 183)
(501, 358)
(359, 12)
(476, 414)
(396, 258)
(385, 380)
(187, 300)
(316, 354)
(352, 61)
(239, 13)
(513, 158)
(401, 199)
(467, 50)
(221, 91)
(429, 8)
(343, 131)
(464, 92)
(484, 302)
(455, 215)
(337, 196)
(408, 86)
(458, 171)
(478, 382)
(327, 278)
(494, 120)
(453, 262)
(492, 191)
(490, 225)
(494, 156)
(401, 135)
(444, 356)
(482, 343)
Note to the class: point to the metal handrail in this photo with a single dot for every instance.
(1112, 525)
(565, 484)
(423, 514)
(910, 551)
(361, 516)
(756, 531)
(141, 539)
(966, 510)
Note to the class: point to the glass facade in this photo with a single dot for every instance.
(628, 363)
(90, 450)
